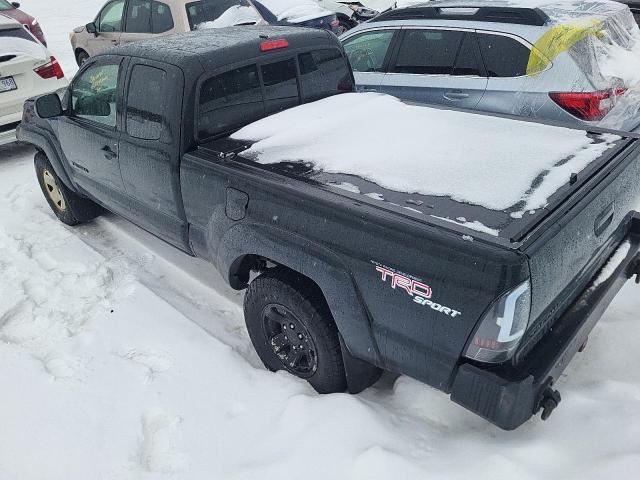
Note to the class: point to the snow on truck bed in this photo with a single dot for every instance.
(487, 161)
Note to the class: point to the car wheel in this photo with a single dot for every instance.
(292, 329)
(81, 57)
(68, 206)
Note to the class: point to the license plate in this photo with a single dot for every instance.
(7, 84)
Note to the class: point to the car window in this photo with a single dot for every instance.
(323, 72)
(17, 33)
(111, 17)
(4, 5)
(229, 100)
(145, 115)
(280, 85)
(366, 52)
(94, 94)
(503, 56)
(138, 16)
(428, 52)
(161, 18)
(467, 62)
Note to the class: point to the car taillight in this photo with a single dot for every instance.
(587, 105)
(50, 69)
(502, 326)
(273, 44)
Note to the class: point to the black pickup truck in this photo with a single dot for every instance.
(340, 285)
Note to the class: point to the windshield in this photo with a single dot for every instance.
(220, 13)
(4, 5)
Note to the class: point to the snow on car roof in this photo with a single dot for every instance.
(488, 161)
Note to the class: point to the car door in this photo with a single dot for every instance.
(109, 25)
(146, 19)
(510, 89)
(88, 132)
(436, 66)
(368, 53)
(150, 148)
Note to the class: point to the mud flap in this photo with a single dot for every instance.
(360, 374)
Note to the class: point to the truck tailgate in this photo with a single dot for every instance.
(569, 247)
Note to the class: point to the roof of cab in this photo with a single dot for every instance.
(216, 47)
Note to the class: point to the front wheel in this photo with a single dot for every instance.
(68, 206)
(292, 329)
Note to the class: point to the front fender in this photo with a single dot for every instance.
(44, 139)
(313, 261)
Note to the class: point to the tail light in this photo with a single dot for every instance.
(587, 105)
(273, 44)
(502, 326)
(50, 69)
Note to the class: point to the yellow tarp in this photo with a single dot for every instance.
(559, 39)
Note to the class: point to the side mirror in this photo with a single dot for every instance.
(49, 106)
(15, 4)
(91, 28)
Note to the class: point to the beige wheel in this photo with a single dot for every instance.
(53, 191)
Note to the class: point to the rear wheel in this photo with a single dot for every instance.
(292, 329)
(68, 206)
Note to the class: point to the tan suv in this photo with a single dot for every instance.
(124, 21)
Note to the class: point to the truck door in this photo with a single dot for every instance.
(89, 134)
(150, 148)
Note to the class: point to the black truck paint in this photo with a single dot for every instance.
(202, 196)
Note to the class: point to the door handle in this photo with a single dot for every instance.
(604, 220)
(454, 95)
(108, 153)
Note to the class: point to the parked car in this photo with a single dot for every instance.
(124, 21)
(350, 13)
(12, 9)
(342, 283)
(27, 68)
(537, 62)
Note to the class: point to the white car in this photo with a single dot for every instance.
(27, 69)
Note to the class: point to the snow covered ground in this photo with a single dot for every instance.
(121, 358)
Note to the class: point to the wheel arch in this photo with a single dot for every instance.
(246, 248)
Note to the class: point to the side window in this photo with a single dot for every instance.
(229, 100)
(161, 18)
(467, 60)
(138, 16)
(322, 73)
(145, 108)
(111, 17)
(280, 85)
(366, 52)
(94, 94)
(428, 52)
(503, 56)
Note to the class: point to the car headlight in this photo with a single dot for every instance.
(502, 326)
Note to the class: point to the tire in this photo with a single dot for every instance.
(68, 206)
(81, 57)
(279, 302)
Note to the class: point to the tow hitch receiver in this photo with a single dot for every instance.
(634, 269)
(548, 402)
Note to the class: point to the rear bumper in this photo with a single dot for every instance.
(509, 396)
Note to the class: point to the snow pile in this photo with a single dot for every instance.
(476, 159)
(295, 11)
(236, 15)
(20, 47)
(612, 265)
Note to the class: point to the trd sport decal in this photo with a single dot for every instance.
(414, 287)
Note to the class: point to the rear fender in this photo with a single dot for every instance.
(316, 263)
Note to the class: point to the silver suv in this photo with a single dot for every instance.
(497, 57)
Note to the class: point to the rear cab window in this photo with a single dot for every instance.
(238, 96)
